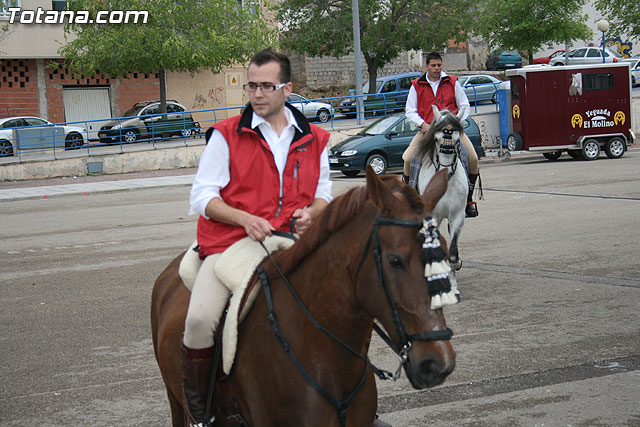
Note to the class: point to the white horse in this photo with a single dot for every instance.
(442, 148)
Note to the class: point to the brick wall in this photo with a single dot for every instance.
(322, 72)
(135, 88)
(18, 87)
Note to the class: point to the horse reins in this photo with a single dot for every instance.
(405, 339)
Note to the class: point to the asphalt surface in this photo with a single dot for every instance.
(547, 333)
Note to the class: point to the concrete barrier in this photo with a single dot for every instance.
(169, 158)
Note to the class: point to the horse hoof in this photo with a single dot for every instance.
(458, 264)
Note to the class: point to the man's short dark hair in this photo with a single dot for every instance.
(269, 55)
(433, 55)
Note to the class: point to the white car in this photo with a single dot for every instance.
(29, 133)
(312, 110)
(587, 55)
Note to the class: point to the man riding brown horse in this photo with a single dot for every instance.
(257, 172)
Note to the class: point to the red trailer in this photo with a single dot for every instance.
(579, 109)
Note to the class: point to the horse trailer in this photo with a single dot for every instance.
(579, 109)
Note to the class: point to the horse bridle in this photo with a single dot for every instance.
(406, 339)
(448, 149)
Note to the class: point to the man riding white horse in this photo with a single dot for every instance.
(436, 88)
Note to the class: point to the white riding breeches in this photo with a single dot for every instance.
(209, 297)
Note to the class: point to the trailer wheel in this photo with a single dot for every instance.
(590, 149)
(614, 148)
(514, 142)
(555, 155)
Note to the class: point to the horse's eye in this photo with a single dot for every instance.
(395, 261)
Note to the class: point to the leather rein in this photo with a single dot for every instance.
(406, 339)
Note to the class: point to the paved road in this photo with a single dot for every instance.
(547, 332)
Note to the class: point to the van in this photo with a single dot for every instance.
(390, 96)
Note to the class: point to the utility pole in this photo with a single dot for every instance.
(358, 59)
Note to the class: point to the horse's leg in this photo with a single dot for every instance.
(455, 226)
(177, 413)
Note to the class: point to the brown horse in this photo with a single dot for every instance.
(360, 261)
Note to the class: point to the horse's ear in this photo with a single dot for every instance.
(379, 193)
(436, 114)
(435, 189)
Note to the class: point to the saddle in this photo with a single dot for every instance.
(235, 268)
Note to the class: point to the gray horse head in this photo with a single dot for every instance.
(444, 133)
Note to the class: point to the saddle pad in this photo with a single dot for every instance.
(235, 268)
(189, 266)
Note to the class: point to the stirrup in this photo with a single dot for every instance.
(471, 210)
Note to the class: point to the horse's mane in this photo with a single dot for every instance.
(427, 144)
(335, 215)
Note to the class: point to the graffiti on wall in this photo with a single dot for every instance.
(217, 94)
(214, 96)
(623, 48)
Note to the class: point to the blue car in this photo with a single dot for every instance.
(501, 59)
(382, 143)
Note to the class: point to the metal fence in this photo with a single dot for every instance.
(36, 139)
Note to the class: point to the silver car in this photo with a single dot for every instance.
(635, 71)
(480, 87)
(33, 133)
(587, 55)
(312, 110)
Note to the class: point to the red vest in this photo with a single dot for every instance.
(445, 97)
(254, 184)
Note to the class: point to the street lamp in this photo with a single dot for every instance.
(603, 25)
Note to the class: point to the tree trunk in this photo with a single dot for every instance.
(163, 90)
(372, 68)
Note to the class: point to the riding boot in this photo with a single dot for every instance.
(196, 372)
(471, 209)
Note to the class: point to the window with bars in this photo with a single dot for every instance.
(598, 81)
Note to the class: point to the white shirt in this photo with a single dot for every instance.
(213, 169)
(412, 100)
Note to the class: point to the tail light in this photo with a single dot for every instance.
(615, 59)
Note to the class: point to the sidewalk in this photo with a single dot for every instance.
(88, 188)
(44, 188)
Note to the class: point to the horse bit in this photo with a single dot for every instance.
(448, 149)
(405, 338)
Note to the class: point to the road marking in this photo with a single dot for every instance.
(497, 268)
(548, 193)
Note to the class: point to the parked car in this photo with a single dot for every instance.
(144, 121)
(390, 95)
(382, 143)
(501, 59)
(34, 133)
(546, 59)
(312, 110)
(635, 71)
(586, 55)
(480, 87)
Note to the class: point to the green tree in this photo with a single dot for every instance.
(387, 27)
(527, 25)
(624, 16)
(178, 36)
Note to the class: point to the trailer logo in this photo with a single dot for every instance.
(598, 118)
(516, 112)
(576, 120)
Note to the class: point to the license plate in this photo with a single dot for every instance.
(333, 160)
